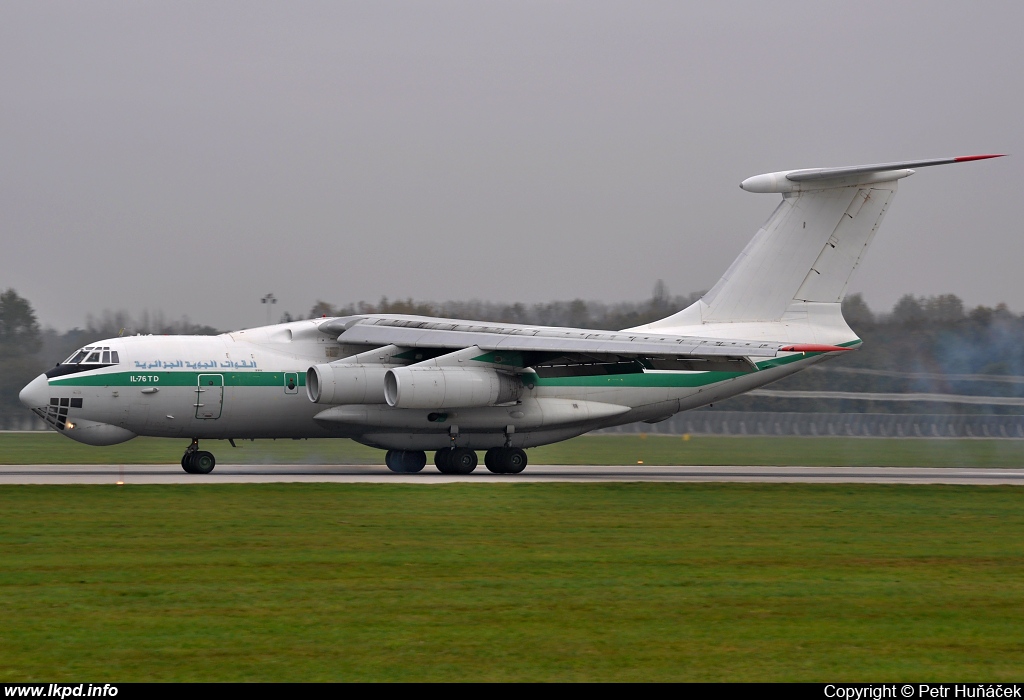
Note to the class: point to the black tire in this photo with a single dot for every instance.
(441, 460)
(413, 461)
(514, 461)
(393, 461)
(203, 462)
(493, 460)
(186, 462)
(462, 461)
(405, 461)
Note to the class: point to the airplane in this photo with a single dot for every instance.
(412, 384)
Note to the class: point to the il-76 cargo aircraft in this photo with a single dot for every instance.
(412, 384)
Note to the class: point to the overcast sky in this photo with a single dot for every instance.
(191, 157)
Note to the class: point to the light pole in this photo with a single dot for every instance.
(269, 300)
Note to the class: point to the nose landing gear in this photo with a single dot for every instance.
(196, 461)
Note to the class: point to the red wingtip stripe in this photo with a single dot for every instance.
(963, 159)
(811, 347)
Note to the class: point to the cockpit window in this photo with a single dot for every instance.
(93, 355)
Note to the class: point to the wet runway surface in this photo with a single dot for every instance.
(285, 473)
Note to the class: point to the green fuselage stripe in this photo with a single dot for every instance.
(176, 379)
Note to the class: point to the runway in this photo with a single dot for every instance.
(372, 474)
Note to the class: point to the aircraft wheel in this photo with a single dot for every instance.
(186, 462)
(413, 461)
(514, 460)
(505, 460)
(202, 462)
(405, 461)
(461, 461)
(441, 460)
(394, 460)
(492, 460)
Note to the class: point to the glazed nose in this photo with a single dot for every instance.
(36, 393)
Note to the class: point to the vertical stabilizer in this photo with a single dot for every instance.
(806, 251)
(801, 260)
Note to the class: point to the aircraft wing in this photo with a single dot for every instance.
(426, 332)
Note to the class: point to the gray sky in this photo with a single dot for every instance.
(192, 157)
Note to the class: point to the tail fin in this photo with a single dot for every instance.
(810, 246)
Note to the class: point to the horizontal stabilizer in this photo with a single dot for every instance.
(795, 180)
(812, 347)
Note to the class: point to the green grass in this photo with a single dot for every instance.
(511, 582)
(51, 448)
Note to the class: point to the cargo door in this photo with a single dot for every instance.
(209, 396)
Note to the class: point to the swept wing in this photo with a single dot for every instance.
(426, 332)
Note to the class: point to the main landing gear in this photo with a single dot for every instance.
(498, 460)
(455, 460)
(196, 461)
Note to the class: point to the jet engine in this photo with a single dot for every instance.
(345, 383)
(449, 387)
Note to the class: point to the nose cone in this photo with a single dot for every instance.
(36, 393)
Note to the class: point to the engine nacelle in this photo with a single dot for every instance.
(449, 387)
(345, 384)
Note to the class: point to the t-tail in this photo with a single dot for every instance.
(790, 280)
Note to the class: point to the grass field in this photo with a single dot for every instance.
(51, 448)
(511, 581)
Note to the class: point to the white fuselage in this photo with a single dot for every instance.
(251, 384)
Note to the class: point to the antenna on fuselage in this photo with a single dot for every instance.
(269, 300)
